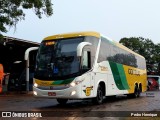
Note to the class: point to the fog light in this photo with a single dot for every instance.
(35, 93)
(35, 85)
(73, 93)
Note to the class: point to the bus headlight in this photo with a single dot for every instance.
(72, 84)
(35, 85)
(76, 81)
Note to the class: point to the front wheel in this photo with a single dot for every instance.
(62, 101)
(99, 98)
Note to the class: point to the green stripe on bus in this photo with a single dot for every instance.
(57, 82)
(122, 76)
(116, 75)
(61, 82)
(68, 81)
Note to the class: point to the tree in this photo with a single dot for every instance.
(133, 43)
(146, 48)
(11, 11)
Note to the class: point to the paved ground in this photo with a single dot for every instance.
(148, 103)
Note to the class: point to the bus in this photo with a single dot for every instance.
(86, 65)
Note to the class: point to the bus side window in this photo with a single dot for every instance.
(86, 60)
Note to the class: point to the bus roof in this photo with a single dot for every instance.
(88, 33)
(74, 34)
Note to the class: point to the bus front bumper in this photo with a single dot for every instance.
(69, 93)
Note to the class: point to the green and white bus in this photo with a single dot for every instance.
(86, 65)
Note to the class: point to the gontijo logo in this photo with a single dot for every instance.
(133, 72)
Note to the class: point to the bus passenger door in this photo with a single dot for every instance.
(86, 66)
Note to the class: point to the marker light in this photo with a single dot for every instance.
(35, 93)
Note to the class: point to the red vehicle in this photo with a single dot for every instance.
(1, 76)
(153, 83)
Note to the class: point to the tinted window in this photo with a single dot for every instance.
(110, 52)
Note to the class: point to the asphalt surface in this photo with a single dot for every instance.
(120, 107)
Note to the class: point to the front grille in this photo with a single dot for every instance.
(53, 87)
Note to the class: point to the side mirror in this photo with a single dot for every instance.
(81, 46)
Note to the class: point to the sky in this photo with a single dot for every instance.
(113, 18)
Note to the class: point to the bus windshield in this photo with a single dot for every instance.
(57, 59)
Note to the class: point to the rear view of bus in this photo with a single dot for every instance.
(87, 65)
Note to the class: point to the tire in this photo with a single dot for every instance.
(136, 93)
(62, 101)
(99, 98)
(140, 91)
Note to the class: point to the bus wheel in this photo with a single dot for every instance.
(99, 98)
(62, 101)
(136, 93)
(140, 90)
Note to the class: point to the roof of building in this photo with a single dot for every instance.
(12, 51)
(22, 42)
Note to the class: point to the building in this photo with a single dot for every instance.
(12, 52)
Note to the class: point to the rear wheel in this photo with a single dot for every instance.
(136, 93)
(140, 90)
(62, 101)
(99, 98)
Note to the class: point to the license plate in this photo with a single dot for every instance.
(51, 94)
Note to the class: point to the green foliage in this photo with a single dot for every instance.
(146, 48)
(11, 11)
